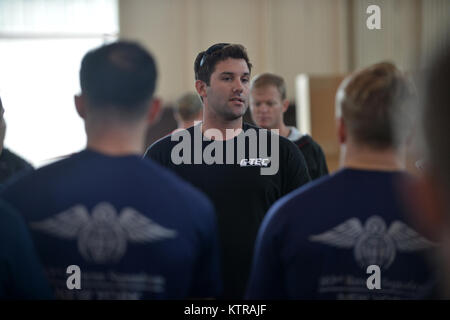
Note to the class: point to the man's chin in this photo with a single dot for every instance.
(263, 125)
(233, 116)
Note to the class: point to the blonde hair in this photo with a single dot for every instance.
(375, 104)
(269, 79)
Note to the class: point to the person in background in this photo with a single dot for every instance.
(268, 103)
(430, 196)
(188, 109)
(21, 274)
(10, 163)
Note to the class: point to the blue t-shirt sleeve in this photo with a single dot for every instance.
(267, 279)
(207, 281)
(21, 274)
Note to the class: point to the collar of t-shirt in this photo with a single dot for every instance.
(245, 127)
(94, 153)
(294, 134)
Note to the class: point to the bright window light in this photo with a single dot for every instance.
(39, 74)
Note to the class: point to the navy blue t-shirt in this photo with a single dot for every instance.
(134, 229)
(21, 274)
(11, 165)
(318, 242)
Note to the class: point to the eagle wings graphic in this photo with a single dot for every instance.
(373, 243)
(102, 237)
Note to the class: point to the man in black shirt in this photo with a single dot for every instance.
(243, 169)
(268, 103)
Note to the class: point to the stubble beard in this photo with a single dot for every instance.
(226, 113)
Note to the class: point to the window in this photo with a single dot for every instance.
(41, 47)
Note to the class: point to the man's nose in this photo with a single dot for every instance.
(263, 108)
(238, 86)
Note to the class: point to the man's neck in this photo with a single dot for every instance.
(284, 130)
(366, 158)
(185, 124)
(116, 142)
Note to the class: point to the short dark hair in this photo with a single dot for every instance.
(270, 79)
(206, 61)
(436, 114)
(376, 105)
(121, 75)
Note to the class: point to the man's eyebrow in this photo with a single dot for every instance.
(232, 73)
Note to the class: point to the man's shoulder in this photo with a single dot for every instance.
(40, 173)
(284, 142)
(309, 193)
(72, 175)
(166, 143)
(246, 126)
(304, 206)
(319, 192)
(305, 140)
(328, 201)
(163, 141)
(11, 157)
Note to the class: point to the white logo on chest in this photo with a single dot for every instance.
(255, 162)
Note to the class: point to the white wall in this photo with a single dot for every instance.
(288, 37)
(283, 36)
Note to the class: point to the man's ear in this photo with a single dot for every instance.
(154, 111)
(177, 117)
(341, 130)
(80, 105)
(200, 86)
(428, 205)
(285, 105)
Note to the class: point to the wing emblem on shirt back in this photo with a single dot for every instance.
(102, 236)
(373, 243)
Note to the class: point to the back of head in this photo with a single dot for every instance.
(119, 77)
(188, 106)
(375, 104)
(436, 115)
(269, 79)
(206, 61)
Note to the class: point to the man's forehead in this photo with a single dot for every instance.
(268, 90)
(232, 66)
